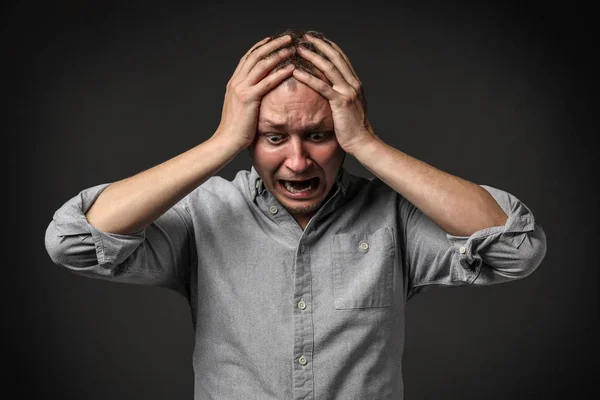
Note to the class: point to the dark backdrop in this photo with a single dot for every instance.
(500, 95)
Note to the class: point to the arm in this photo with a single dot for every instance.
(131, 204)
(435, 258)
(451, 227)
(139, 229)
(458, 206)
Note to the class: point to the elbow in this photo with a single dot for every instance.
(54, 246)
(532, 251)
(72, 251)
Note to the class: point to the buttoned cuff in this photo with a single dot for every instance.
(504, 239)
(71, 225)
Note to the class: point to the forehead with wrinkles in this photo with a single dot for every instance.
(294, 108)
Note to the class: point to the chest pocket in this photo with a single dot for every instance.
(363, 269)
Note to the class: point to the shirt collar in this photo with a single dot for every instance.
(255, 184)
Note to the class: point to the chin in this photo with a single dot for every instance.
(303, 209)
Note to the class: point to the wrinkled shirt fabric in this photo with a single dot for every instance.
(285, 313)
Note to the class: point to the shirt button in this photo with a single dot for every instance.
(273, 210)
(364, 245)
(302, 248)
(301, 305)
(302, 360)
(462, 250)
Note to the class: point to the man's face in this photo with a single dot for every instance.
(295, 150)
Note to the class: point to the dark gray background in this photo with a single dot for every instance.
(497, 94)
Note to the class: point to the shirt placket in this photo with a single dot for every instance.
(303, 375)
(303, 379)
(303, 325)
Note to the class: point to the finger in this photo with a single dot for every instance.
(271, 81)
(334, 52)
(331, 71)
(335, 46)
(327, 67)
(262, 68)
(260, 53)
(325, 46)
(359, 87)
(316, 84)
(260, 42)
(254, 46)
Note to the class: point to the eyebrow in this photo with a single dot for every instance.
(308, 128)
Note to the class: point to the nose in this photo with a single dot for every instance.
(298, 159)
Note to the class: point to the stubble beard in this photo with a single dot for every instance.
(308, 209)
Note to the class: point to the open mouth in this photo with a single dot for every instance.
(301, 186)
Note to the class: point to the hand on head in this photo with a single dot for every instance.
(249, 83)
(309, 58)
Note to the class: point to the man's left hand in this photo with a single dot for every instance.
(345, 94)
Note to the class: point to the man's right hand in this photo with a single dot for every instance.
(248, 84)
(131, 204)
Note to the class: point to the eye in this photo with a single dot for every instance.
(318, 136)
(274, 138)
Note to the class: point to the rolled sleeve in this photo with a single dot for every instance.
(492, 255)
(71, 241)
(158, 255)
(502, 253)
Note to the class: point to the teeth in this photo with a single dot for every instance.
(291, 189)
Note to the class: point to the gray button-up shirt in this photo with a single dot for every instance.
(285, 313)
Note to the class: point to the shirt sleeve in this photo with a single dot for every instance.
(434, 258)
(159, 255)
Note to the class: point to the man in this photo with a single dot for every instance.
(297, 273)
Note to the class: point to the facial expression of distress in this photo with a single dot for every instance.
(295, 150)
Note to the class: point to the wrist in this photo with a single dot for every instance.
(227, 142)
(223, 144)
(363, 145)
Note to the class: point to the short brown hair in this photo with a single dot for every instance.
(298, 40)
